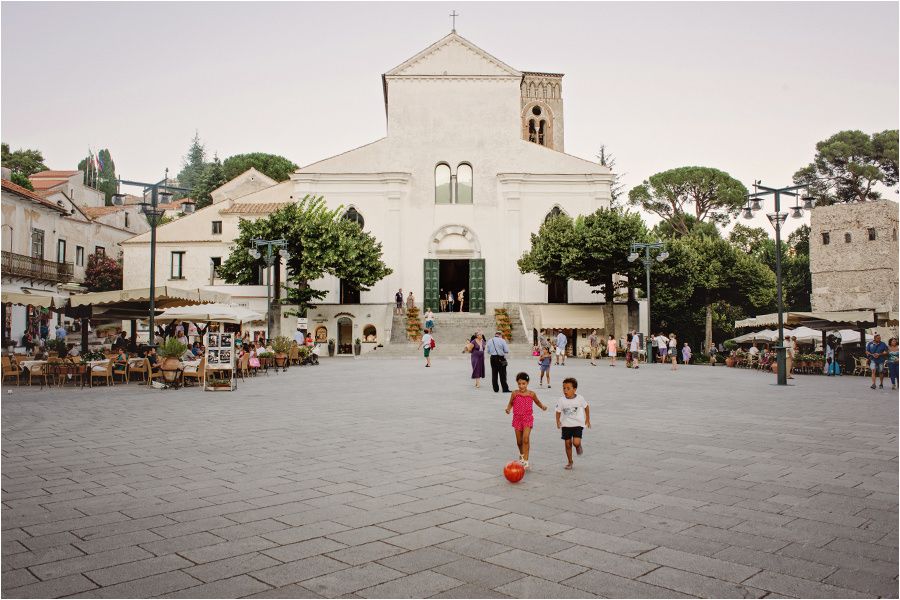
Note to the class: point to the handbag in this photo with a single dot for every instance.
(432, 345)
(470, 346)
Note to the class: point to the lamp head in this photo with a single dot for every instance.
(797, 212)
(188, 207)
(254, 253)
(755, 204)
(632, 257)
(662, 256)
(164, 197)
(748, 213)
(808, 202)
(118, 199)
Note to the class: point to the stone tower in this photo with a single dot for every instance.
(542, 109)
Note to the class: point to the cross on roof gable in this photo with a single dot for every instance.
(453, 55)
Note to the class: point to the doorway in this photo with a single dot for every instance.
(558, 291)
(345, 336)
(453, 277)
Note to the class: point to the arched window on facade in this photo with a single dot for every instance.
(353, 215)
(532, 131)
(464, 183)
(442, 189)
(554, 212)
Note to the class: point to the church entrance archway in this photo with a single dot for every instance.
(345, 336)
(454, 263)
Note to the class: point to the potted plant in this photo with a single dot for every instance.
(331, 347)
(303, 353)
(171, 350)
(281, 345)
(357, 347)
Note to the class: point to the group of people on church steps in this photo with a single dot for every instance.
(448, 299)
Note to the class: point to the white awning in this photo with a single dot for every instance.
(862, 317)
(24, 299)
(222, 313)
(570, 316)
(165, 296)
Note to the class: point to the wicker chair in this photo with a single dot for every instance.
(152, 372)
(11, 369)
(41, 371)
(120, 369)
(197, 373)
(103, 372)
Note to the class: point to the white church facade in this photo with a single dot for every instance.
(453, 202)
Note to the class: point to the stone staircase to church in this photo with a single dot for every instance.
(451, 332)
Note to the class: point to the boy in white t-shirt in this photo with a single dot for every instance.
(572, 415)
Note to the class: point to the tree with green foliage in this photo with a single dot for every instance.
(591, 249)
(748, 239)
(848, 165)
(708, 272)
(616, 186)
(20, 179)
(103, 273)
(193, 164)
(211, 178)
(24, 161)
(277, 167)
(102, 175)
(320, 242)
(714, 195)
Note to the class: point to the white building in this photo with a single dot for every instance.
(46, 244)
(470, 166)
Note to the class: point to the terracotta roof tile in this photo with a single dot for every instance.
(46, 184)
(253, 208)
(26, 193)
(99, 211)
(53, 174)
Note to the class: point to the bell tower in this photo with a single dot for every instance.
(542, 109)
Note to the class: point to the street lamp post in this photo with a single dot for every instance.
(269, 258)
(160, 195)
(636, 248)
(776, 219)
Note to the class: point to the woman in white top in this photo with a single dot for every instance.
(673, 351)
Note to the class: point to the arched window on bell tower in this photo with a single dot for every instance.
(538, 123)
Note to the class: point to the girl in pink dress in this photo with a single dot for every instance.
(520, 403)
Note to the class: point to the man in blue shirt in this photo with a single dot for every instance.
(877, 352)
(497, 348)
(561, 342)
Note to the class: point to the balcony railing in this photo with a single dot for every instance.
(19, 265)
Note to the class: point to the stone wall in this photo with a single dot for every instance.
(854, 272)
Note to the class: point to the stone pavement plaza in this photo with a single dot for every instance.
(380, 478)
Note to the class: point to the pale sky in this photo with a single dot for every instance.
(748, 88)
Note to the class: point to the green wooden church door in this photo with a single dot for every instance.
(432, 283)
(476, 285)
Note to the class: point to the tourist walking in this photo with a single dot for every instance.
(521, 404)
(429, 319)
(686, 354)
(594, 342)
(662, 346)
(443, 301)
(544, 363)
(398, 300)
(611, 349)
(461, 296)
(410, 301)
(427, 344)
(451, 300)
(877, 353)
(892, 361)
(561, 342)
(673, 351)
(633, 350)
(790, 349)
(497, 349)
(476, 348)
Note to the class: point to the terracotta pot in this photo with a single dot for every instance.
(280, 359)
(775, 367)
(170, 368)
(729, 362)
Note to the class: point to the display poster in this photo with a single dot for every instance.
(219, 350)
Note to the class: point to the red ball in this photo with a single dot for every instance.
(514, 471)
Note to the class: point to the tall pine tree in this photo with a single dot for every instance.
(193, 164)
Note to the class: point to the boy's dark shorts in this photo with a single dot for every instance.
(571, 432)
